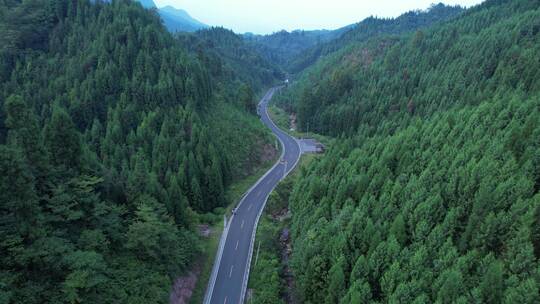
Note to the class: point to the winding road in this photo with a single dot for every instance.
(228, 282)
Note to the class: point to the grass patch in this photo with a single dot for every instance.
(209, 251)
(235, 191)
(282, 120)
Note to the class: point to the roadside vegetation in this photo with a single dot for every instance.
(284, 121)
(268, 282)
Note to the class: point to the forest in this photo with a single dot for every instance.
(370, 28)
(119, 138)
(282, 47)
(116, 139)
(430, 193)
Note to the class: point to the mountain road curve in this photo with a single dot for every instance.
(228, 281)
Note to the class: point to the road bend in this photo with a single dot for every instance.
(228, 282)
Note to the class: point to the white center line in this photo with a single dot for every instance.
(225, 302)
(236, 248)
(249, 207)
(242, 225)
(230, 272)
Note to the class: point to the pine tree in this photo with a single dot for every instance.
(63, 141)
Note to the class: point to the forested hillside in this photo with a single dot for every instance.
(490, 50)
(431, 193)
(231, 58)
(370, 28)
(114, 137)
(281, 47)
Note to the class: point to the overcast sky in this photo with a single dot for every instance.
(267, 16)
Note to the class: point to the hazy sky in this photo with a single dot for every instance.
(267, 16)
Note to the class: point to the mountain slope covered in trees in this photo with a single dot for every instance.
(281, 47)
(371, 28)
(431, 193)
(114, 138)
(230, 57)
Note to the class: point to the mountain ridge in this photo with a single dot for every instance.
(179, 20)
(174, 19)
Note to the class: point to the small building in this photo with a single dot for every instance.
(310, 145)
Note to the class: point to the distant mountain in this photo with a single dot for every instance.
(147, 3)
(177, 20)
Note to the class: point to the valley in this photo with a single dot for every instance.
(149, 157)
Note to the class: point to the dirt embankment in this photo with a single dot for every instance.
(269, 152)
(285, 248)
(183, 287)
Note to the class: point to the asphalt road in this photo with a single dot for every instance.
(231, 279)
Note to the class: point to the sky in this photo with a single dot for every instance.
(268, 16)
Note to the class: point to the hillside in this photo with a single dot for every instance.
(281, 47)
(430, 193)
(229, 56)
(371, 28)
(417, 74)
(116, 141)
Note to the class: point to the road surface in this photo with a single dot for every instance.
(228, 282)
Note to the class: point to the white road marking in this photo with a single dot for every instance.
(225, 302)
(242, 225)
(236, 248)
(230, 272)
(249, 207)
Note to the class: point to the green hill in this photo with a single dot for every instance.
(430, 193)
(281, 47)
(371, 28)
(116, 140)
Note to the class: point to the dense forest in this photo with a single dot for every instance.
(229, 56)
(489, 51)
(431, 191)
(118, 138)
(115, 137)
(368, 29)
(282, 47)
